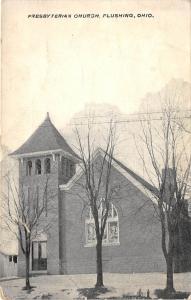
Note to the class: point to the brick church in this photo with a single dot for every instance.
(132, 239)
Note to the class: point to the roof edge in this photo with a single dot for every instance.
(143, 186)
(47, 152)
(138, 178)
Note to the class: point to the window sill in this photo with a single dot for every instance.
(104, 245)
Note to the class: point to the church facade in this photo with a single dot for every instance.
(132, 238)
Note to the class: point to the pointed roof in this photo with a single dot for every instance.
(46, 138)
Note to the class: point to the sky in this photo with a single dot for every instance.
(60, 65)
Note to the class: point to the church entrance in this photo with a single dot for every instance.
(39, 256)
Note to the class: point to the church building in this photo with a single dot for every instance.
(132, 238)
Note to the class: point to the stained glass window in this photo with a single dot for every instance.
(111, 232)
(91, 234)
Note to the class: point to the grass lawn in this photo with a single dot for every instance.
(67, 287)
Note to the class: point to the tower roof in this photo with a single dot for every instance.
(45, 138)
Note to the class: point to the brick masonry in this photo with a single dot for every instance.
(52, 218)
(139, 232)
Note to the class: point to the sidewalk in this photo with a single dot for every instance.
(9, 278)
(67, 287)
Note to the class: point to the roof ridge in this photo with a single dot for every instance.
(54, 130)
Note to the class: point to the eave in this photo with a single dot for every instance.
(45, 153)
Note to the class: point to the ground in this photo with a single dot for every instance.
(67, 287)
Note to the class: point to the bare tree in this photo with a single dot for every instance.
(98, 187)
(167, 162)
(25, 214)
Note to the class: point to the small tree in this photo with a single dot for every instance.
(98, 187)
(167, 162)
(24, 215)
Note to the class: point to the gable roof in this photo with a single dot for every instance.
(138, 178)
(46, 138)
(134, 178)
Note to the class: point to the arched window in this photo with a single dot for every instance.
(67, 168)
(38, 167)
(63, 165)
(72, 169)
(47, 166)
(111, 233)
(29, 168)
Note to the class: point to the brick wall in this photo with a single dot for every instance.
(139, 233)
(52, 218)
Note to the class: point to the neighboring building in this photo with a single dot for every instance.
(8, 264)
(132, 241)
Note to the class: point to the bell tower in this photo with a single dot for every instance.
(45, 161)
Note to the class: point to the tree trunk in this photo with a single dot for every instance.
(99, 282)
(27, 258)
(168, 254)
(169, 279)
